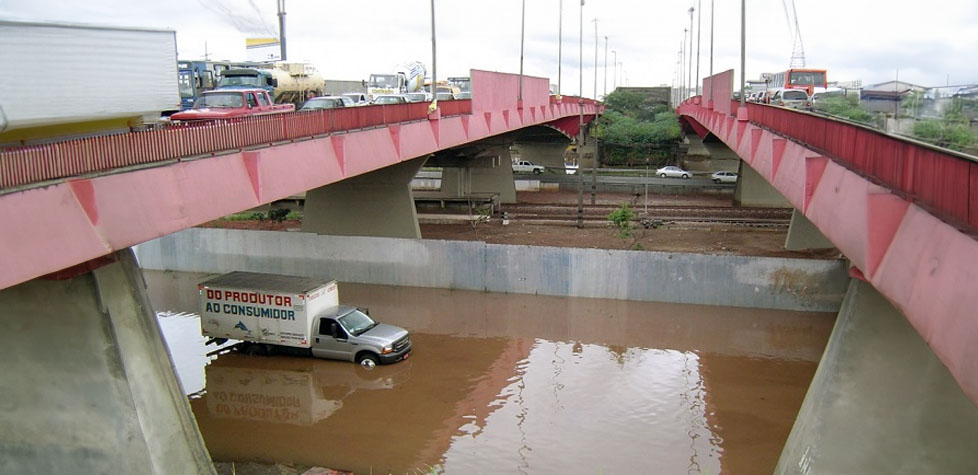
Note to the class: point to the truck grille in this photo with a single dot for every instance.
(402, 343)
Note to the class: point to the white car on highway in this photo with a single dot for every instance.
(672, 171)
(523, 166)
(724, 177)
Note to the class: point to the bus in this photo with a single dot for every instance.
(807, 79)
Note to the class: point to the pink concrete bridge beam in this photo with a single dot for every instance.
(71, 221)
(924, 266)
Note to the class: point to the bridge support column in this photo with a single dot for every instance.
(803, 235)
(378, 203)
(88, 383)
(753, 190)
(880, 401)
(487, 172)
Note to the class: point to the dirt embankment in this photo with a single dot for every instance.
(702, 239)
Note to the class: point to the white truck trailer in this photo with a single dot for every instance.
(298, 315)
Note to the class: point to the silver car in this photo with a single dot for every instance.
(673, 172)
(724, 177)
(793, 98)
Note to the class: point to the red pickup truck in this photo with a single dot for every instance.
(231, 103)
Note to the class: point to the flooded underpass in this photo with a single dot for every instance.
(510, 383)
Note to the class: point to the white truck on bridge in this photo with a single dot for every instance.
(295, 315)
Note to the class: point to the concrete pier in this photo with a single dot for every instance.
(88, 383)
(881, 401)
(378, 203)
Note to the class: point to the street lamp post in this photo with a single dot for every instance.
(580, 124)
(560, 44)
(595, 59)
(682, 66)
(699, 42)
(689, 84)
(710, 104)
(743, 50)
(604, 90)
(434, 61)
(519, 98)
(614, 73)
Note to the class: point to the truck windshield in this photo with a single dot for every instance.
(218, 100)
(356, 322)
(383, 80)
(250, 81)
(185, 83)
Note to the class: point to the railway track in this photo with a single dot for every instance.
(559, 213)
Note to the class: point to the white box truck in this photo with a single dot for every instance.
(296, 315)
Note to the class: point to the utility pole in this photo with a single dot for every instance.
(699, 42)
(434, 63)
(689, 84)
(614, 74)
(560, 44)
(604, 89)
(595, 58)
(743, 51)
(580, 124)
(519, 97)
(711, 51)
(682, 67)
(281, 27)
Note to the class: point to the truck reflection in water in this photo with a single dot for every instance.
(295, 391)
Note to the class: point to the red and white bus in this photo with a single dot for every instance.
(807, 79)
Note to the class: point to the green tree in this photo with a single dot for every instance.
(633, 129)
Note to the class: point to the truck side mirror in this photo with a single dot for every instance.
(273, 82)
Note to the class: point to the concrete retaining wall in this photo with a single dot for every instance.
(788, 284)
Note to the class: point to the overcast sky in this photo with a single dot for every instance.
(930, 43)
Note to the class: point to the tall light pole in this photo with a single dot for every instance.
(699, 42)
(434, 62)
(560, 44)
(519, 98)
(281, 27)
(595, 59)
(604, 89)
(682, 66)
(743, 49)
(689, 84)
(614, 73)
(580, 126)
(711, 52)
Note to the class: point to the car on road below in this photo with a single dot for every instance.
(724, 177)
(672, 171)
(523, 166)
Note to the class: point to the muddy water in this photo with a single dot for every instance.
(503, 383)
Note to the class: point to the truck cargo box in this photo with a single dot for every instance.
(264, 308)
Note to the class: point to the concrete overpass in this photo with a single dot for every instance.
(905, 214)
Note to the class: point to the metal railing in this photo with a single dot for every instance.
(31, 164)
(941, 180)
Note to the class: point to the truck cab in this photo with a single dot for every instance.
(346, 333)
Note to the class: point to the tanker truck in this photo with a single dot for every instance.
(286, 82)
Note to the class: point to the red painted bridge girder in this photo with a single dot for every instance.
(56, 225)
(902, 212)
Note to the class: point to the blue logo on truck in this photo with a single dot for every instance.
(241, 326)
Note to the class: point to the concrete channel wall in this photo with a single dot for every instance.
(755, 282)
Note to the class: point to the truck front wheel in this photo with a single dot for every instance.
(367, 360)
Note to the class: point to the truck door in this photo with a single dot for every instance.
(331, 341)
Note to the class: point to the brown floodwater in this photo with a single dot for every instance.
(510, 383)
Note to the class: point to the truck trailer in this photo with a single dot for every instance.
(295, 315)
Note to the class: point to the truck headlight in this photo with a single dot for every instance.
(387, 349)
